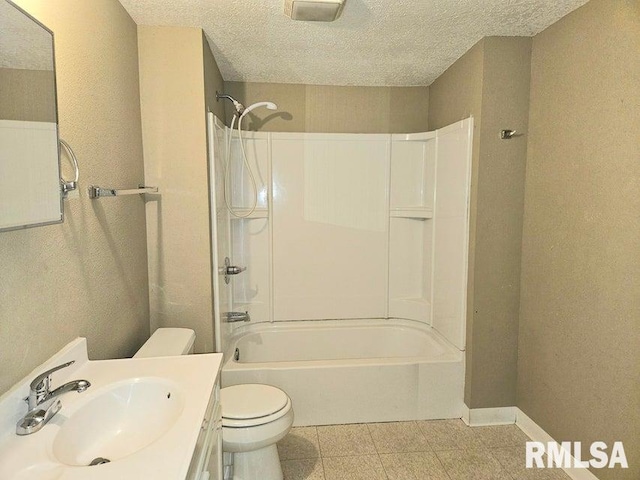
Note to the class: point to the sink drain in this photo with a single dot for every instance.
(99, 461)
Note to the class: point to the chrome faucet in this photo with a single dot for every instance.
(233, 317)
(44, 403)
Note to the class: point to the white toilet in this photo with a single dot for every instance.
(254, 417)
(168, 342)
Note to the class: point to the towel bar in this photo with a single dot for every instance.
(98, 192)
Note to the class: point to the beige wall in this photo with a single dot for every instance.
(173, 66)
(332, 109)
(491, 82)
(498, 242)
(213, 82)
(88, 276)
(27, 95)
(579, 353)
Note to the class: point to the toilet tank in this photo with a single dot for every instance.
(168, 342)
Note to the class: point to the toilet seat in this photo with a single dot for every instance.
(251, 405)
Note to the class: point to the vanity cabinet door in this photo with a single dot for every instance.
(206, 463)
(213, 461)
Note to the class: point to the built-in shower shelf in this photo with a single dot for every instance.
(420, 213)
(257, 213)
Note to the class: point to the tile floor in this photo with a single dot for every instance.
(424, 450)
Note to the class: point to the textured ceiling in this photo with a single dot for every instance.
(23, 43)
(375, 42)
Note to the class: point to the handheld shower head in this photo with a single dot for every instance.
(269, 105)
(241, 113)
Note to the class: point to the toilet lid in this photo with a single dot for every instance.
(255, 422)
(243, 402)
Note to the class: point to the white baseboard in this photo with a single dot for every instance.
(465, 413)
(481, 417)
(537, 434)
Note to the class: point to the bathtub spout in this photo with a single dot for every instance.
(233, 317)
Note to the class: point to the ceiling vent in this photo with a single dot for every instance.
(314, 10)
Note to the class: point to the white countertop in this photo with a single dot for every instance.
(168, 457)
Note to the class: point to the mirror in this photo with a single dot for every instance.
(30, 192)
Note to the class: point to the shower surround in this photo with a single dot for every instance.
(358, 237)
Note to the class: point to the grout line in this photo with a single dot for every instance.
(489, 450)
(319, 447)
(383, 467)
(320, 457)
(375, 447)
(360, 456)
(424, 436)
(442, 465)
(324, 472)
(384, 471)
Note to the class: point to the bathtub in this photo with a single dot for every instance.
(351, 371)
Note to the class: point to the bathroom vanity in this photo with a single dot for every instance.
(206, 462)
(140, 418)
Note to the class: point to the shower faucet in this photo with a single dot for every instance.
(229, 270)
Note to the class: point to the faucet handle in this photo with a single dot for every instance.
(233, 270)
(39, 387)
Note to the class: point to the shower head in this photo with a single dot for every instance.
(237, 105)
(269, 105)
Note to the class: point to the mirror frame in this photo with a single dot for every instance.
(57, 119)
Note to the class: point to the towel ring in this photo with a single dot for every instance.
(73, 185)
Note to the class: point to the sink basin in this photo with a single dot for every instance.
(118, 422)
(143, 415)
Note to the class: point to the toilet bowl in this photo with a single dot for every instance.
(254, 418)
